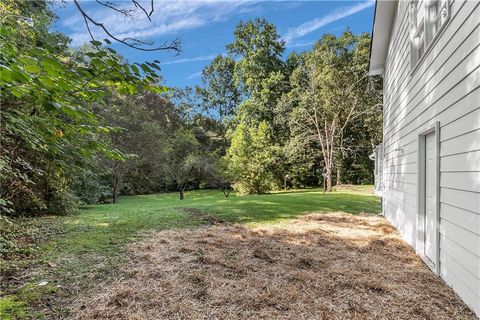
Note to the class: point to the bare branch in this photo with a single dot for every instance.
(138, 41)
(173, 45)
(138, 5)
(113, 6)
(88, 28)
(151, 8)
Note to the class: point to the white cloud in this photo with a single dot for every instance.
(194, 75)
(315, 24)
(200, 58)
(163, 28)
(300, 44)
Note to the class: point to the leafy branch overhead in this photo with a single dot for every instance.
(49, 92)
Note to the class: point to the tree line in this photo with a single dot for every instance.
(84, 125)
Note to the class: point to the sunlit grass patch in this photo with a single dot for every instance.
(10, 308)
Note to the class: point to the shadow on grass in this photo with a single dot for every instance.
(286, 205)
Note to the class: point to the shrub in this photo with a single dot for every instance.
(250, 159)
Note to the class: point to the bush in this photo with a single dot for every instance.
(255, 185)
(91, 188)
(250, 159)
(62, 202)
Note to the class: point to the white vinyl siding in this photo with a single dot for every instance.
(444, 88)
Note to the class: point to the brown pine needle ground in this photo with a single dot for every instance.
(321, 266)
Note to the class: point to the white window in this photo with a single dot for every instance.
(438, 13)
(419, 41)
(427, 19)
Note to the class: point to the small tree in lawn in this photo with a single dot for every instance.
(216, 173)
(183, 164)
(118, 169)
(249, 159)
(223, 177)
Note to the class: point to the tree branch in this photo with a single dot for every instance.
(147, 14)
(114, 7)
(173, 45)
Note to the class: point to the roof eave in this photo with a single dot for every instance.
(382, 29)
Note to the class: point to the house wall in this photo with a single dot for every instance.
(444, 88)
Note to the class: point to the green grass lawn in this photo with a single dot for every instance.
(89, 248)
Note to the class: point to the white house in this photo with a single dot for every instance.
(428, 52)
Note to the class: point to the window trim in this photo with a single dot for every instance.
(414, 65)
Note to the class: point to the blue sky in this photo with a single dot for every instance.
(206, 27)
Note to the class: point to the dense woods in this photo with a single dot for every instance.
(84, 125)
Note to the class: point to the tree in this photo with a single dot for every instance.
(219, 92)
(259, 70)
(259, 47)
(139, 136)
(331, 91)
(183, 163)
(48, 91)
(217, 174)
(155, 117)
(250, 157)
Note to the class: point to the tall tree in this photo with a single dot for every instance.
(259, 69)
(331, 89)
(140, 135)
(219, 94)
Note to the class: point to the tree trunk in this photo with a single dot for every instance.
(182, 188)
(339, 176)
(114, 189)
(329, 178)
(225, 189)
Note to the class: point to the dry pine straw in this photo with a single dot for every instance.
(320, 266)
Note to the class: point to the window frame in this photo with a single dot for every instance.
(425, 28)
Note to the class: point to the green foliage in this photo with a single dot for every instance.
(81, 126)
(183, 164)
(144, 122)
(334, 102)
(259, 47)
(219, 93)
(92, 185)
(321, 107)
(48, 124)
(302, 162)
(259, 71)
(250, 159)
